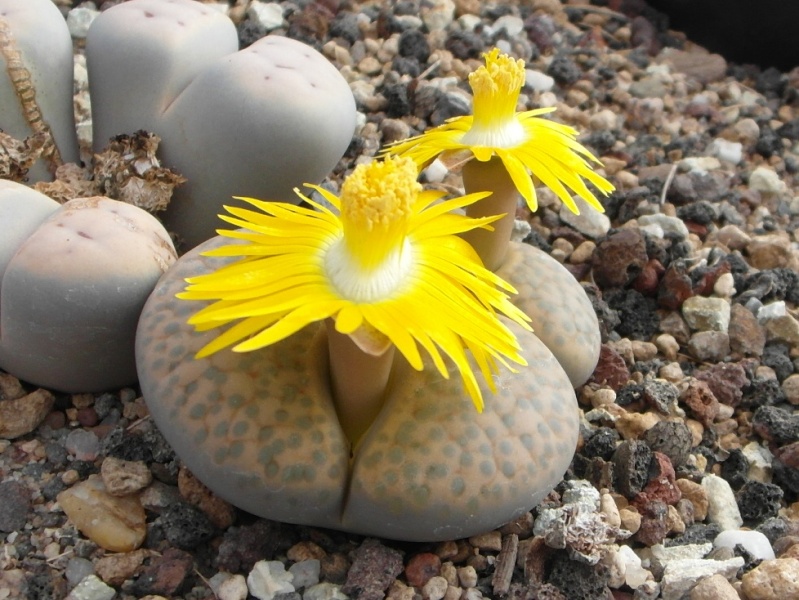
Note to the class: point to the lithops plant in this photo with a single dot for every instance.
(504, 152)
(560, 312)
(22, 210)
(256, 122)
(72, 291)
(272, 426)
(36, 83)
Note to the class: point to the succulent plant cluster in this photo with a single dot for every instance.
(267, 428)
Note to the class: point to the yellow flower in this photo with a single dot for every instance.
(523, 141)
(386, 264)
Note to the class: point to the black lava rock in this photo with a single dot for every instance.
(773, 528)
(660, 394)
(734, 470)
(15, 502)
(786, 477)
(186, 526)
(769, 143)
(775, 355)
(413, 42)
(638, 314)
(776, 425)
(631, 462)
(701, 212)
(601, 444)
(345, 25)
(464, 44)
(245, 545)
(406, 65)
(105, 404)
(250, 32)
(630, 394)
(564, 70)
(762, 391)
(578, 580)
(771, 284)
(397, 97)
(53, 487)
(672, 438)
(759, 501)
(698, 533)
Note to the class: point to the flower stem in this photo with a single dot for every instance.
(490, 176)
(358, 382)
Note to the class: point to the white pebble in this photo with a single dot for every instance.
(706, 314)
(766, 181)
(512, 24)
(771, 311)
(538, 81)
(722, 508)
(435, 172)
(670, 225)
(267, 14)
(755, 542)
(269, 578)
(634, 573)
(79, 20)
(681, 575)
(324, 591)
(92, 588)
(731, 152)
(305, 573)
(724, 286)
(435, 588)
(760, 460)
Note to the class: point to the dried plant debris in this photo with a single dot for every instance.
(127, 170)
(71, 181)
(18, 156)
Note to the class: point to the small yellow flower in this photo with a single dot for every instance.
(386, 264)
(523, 141)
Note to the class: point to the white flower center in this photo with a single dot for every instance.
(367, 286)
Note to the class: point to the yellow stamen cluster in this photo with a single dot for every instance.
(376, 202)
(496, 87)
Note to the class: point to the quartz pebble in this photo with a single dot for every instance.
(680, 576)
(722, 507)
(269, 578)
(92, 588)
(755, 542)
(116, 524)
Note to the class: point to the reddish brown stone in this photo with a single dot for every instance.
(611, 369)
(747, 337)
(704, 287)
(661, 486)
(654, 523)
(789, 455)
(696, 229)
(87, 417)
(675, 287)
(619, 258)
(421, 568)
(648, 279)
(700, 401)
(166, 574)
(726, 381)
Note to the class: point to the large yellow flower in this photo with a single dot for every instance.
(523, 141)
(386, 264)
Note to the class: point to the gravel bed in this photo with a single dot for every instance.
(690, 423)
